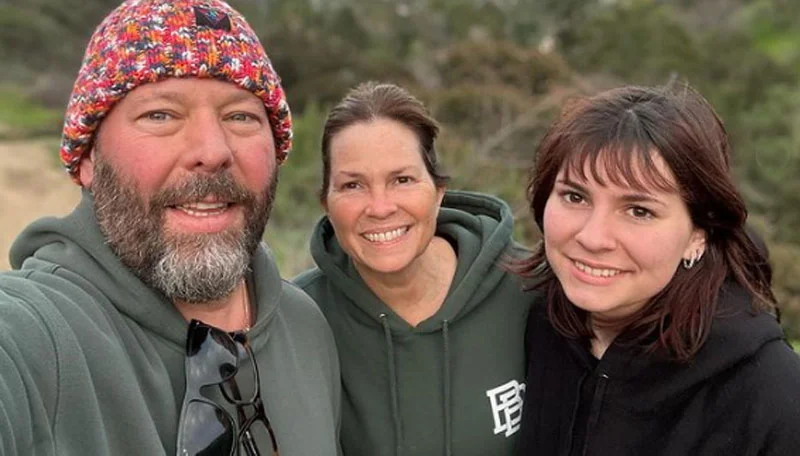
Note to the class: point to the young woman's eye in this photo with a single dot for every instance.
(572, 197)
(640, 212)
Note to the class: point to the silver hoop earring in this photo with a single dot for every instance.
(690, 262)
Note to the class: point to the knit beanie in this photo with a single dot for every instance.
(144, 41)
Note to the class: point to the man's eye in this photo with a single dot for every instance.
(242, 117)
(158, 116)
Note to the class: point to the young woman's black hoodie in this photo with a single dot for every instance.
(740, 395)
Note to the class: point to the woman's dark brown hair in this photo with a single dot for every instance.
(370, 101)
(627, 125)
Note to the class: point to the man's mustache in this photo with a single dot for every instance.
(222, 187)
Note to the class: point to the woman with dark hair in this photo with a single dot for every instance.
(429, 324)
(659, 334)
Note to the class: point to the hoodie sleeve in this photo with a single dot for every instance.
(28, 378)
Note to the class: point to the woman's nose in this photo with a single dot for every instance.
(597, 233)
(380, 205)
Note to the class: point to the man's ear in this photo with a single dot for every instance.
(86, 169)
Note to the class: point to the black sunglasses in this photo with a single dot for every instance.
(213, 358)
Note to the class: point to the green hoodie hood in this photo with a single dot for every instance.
(74, 247)
(429, 389)
(480, 226)
(92, 361)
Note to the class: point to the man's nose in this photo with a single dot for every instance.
(210, 149)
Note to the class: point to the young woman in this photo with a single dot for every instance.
(659, 334)
(430, 328)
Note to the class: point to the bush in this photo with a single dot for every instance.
(22, 118)
(297, 205)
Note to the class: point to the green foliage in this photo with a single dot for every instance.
(786, 270)
(21, 33)
(769, 160)
(500, 64)
(774, 27)
(22, 118)
(321, 52)
(639, 41)
(494, 73)
(297, 206)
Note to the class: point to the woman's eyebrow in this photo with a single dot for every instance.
(573, 184)
(641, 198)
(637, 197)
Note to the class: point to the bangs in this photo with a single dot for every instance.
(626, 159)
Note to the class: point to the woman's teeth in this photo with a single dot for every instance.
(596, 272)
(386, 236)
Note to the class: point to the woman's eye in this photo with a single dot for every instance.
(641, 212)
(404, 179)
(572, 197)
(349, 186)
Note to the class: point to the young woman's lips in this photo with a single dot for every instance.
(595, 273)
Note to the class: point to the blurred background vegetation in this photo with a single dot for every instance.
(495, 73)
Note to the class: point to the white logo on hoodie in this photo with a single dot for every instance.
(506, 402)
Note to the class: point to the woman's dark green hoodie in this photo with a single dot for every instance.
(452, 385)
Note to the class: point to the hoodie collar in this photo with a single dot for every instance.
(737, 334)
(78, 249)
(479, 226)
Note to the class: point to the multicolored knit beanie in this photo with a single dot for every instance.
(145, 41)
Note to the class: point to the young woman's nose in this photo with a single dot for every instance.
(597, 232)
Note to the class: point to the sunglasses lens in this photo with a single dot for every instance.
(211, 356)
(205, 430)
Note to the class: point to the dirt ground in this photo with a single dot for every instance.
(31, 186)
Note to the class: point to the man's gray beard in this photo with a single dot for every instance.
(193, 268)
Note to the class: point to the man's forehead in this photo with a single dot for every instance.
(188, 89)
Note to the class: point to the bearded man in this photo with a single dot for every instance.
(152, 319)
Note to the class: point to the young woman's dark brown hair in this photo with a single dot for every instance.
(617, 130)
(659, 334)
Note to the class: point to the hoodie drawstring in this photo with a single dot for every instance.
(448, 450)
(398, 450)
(448, 444)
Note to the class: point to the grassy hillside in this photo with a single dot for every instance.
(22, 118)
